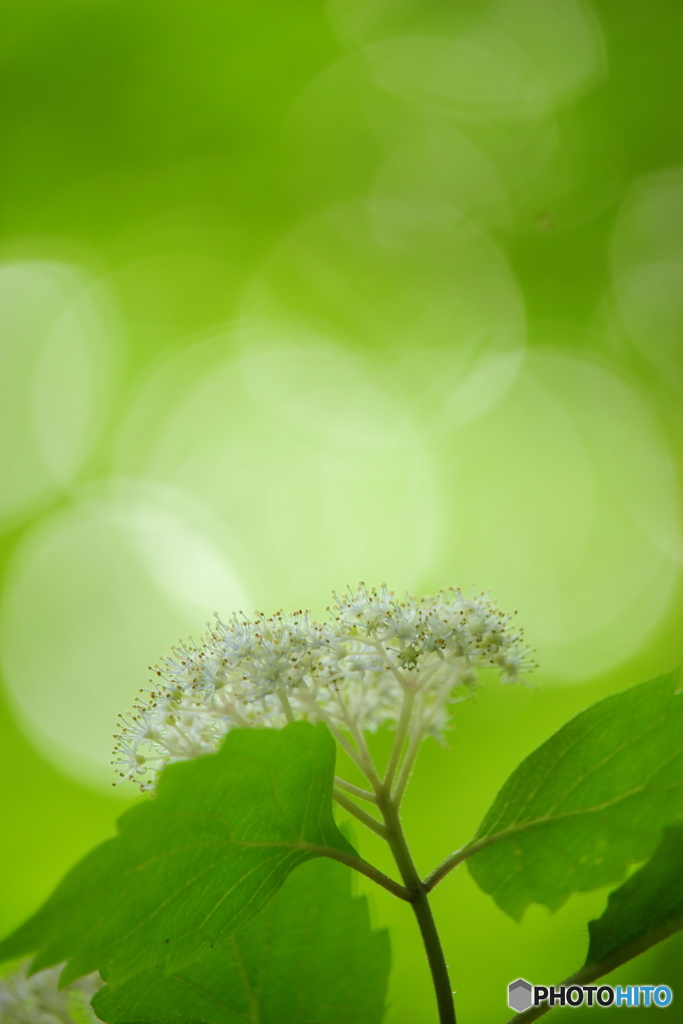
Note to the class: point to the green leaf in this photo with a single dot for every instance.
(310, 955)
(196, 861)
(589, 802)
(644, 910)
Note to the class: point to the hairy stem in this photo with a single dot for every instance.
(480, 844)
(368, 770)
(452, 862)
(364, 794)
(407, 766)
(362, 816)
(399, 739)
(286, 706)
(363, 867)
(422, 910)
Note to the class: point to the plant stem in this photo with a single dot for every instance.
(365, 794)
(407, 766)
(399, 739)
(360, 814)
(435, 958)
(421, 908)
(358, 864)
(367, 768)
(286, 706)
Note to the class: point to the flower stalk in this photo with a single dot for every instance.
(422, 910)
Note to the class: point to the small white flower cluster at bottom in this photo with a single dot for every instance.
(38, 999)
(374, 658)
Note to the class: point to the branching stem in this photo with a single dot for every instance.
(399, 739)
(369, 765)
(422, 910)
(479, 844)
(368, 770)
(363, 867)
(364, 794)
(407, 766)
(360, 814)
(286, 706)
(452, 862)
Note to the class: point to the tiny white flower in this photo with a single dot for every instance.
(352, 672)
(38, 999)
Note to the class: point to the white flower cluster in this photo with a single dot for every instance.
(352, 672)
(38, 999)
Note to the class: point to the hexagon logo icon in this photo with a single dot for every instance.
(519, 995)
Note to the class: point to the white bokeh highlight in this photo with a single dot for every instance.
(396, 278)
(294, 446)
(95, 595)
(563, 500)
(557, 43)
(647, 271)
(60, 352)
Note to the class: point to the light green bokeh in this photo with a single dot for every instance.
(647, 267)
(295, 448)
(94, 597)
(60, 353)
(563, 501)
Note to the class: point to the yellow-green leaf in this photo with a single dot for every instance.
(309, 955)
(589, 802)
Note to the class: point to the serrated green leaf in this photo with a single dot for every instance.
(644, 910)
(195, 862)
(310, 955)
(589, 802)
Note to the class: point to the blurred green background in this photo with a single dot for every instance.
(296, 294)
